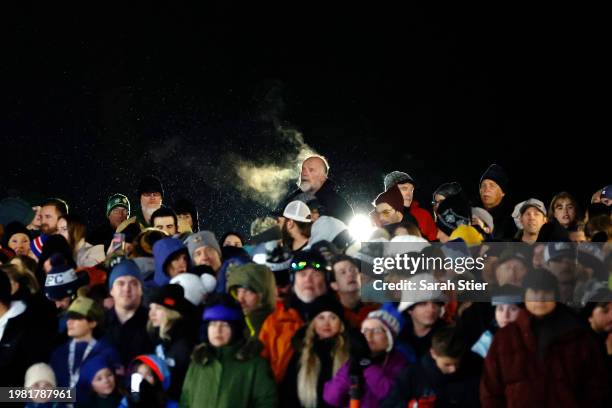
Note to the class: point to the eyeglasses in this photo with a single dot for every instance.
(375, 330)
(298, 266)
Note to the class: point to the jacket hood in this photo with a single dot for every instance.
(162, 251)
(146, 266)
(257, 277)
(157, 365)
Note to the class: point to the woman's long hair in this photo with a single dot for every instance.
(310, 364)
(172, 316)
(572, 200)
(24, 277)
(76, 231)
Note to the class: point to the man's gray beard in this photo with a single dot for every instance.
(304, 299)
(305, 186)
(147, 211)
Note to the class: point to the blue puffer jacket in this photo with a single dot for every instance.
(162, 251)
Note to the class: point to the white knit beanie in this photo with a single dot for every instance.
(39, 372)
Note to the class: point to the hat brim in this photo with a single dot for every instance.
(76, 316)
(526, 206)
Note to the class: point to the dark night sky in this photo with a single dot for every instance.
(89, 105)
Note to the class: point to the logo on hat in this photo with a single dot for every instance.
(62, 278)
(449, 218)
(117, 200)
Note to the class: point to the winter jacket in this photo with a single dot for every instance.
(96, 401)
(276, 333)
(162, 250)
(19, 346)
(560, 366)
(356, 316)
(229, 376)
(476, 319)
(102, 235)
(288, 391)
(601, 339)
(261, 280)
(505, 228)
(419, 345)
(224, 271)
(378, 381)
(59, 363)
(176, 352)
(89, 255)
(331, 202)
(130, 338)
(425, 380)
(424, 220)
(43, 317)
(146, 265)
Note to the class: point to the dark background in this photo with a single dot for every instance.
(91, 102)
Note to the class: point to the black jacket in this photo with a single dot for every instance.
(332, 204)
(288, 391)
(176, 351)
(103, 235)
(418, 345)
(20, 347)
(504, 226)
(44, 317)
(130, 338)
(425, 379)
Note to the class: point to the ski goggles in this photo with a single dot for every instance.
(298, 266)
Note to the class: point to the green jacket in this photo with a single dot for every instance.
(230, 376)
(261, 280)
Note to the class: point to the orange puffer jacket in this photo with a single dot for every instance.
(276, 333)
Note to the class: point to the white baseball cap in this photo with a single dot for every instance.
(297, 211)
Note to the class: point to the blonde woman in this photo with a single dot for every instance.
(321, 349)
(172, 337)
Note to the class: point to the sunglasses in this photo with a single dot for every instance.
(298, 266)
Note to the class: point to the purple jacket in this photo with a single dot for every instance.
(379, 380)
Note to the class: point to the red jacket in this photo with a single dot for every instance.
(570, 374)
(425, 220)
(356, 317)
